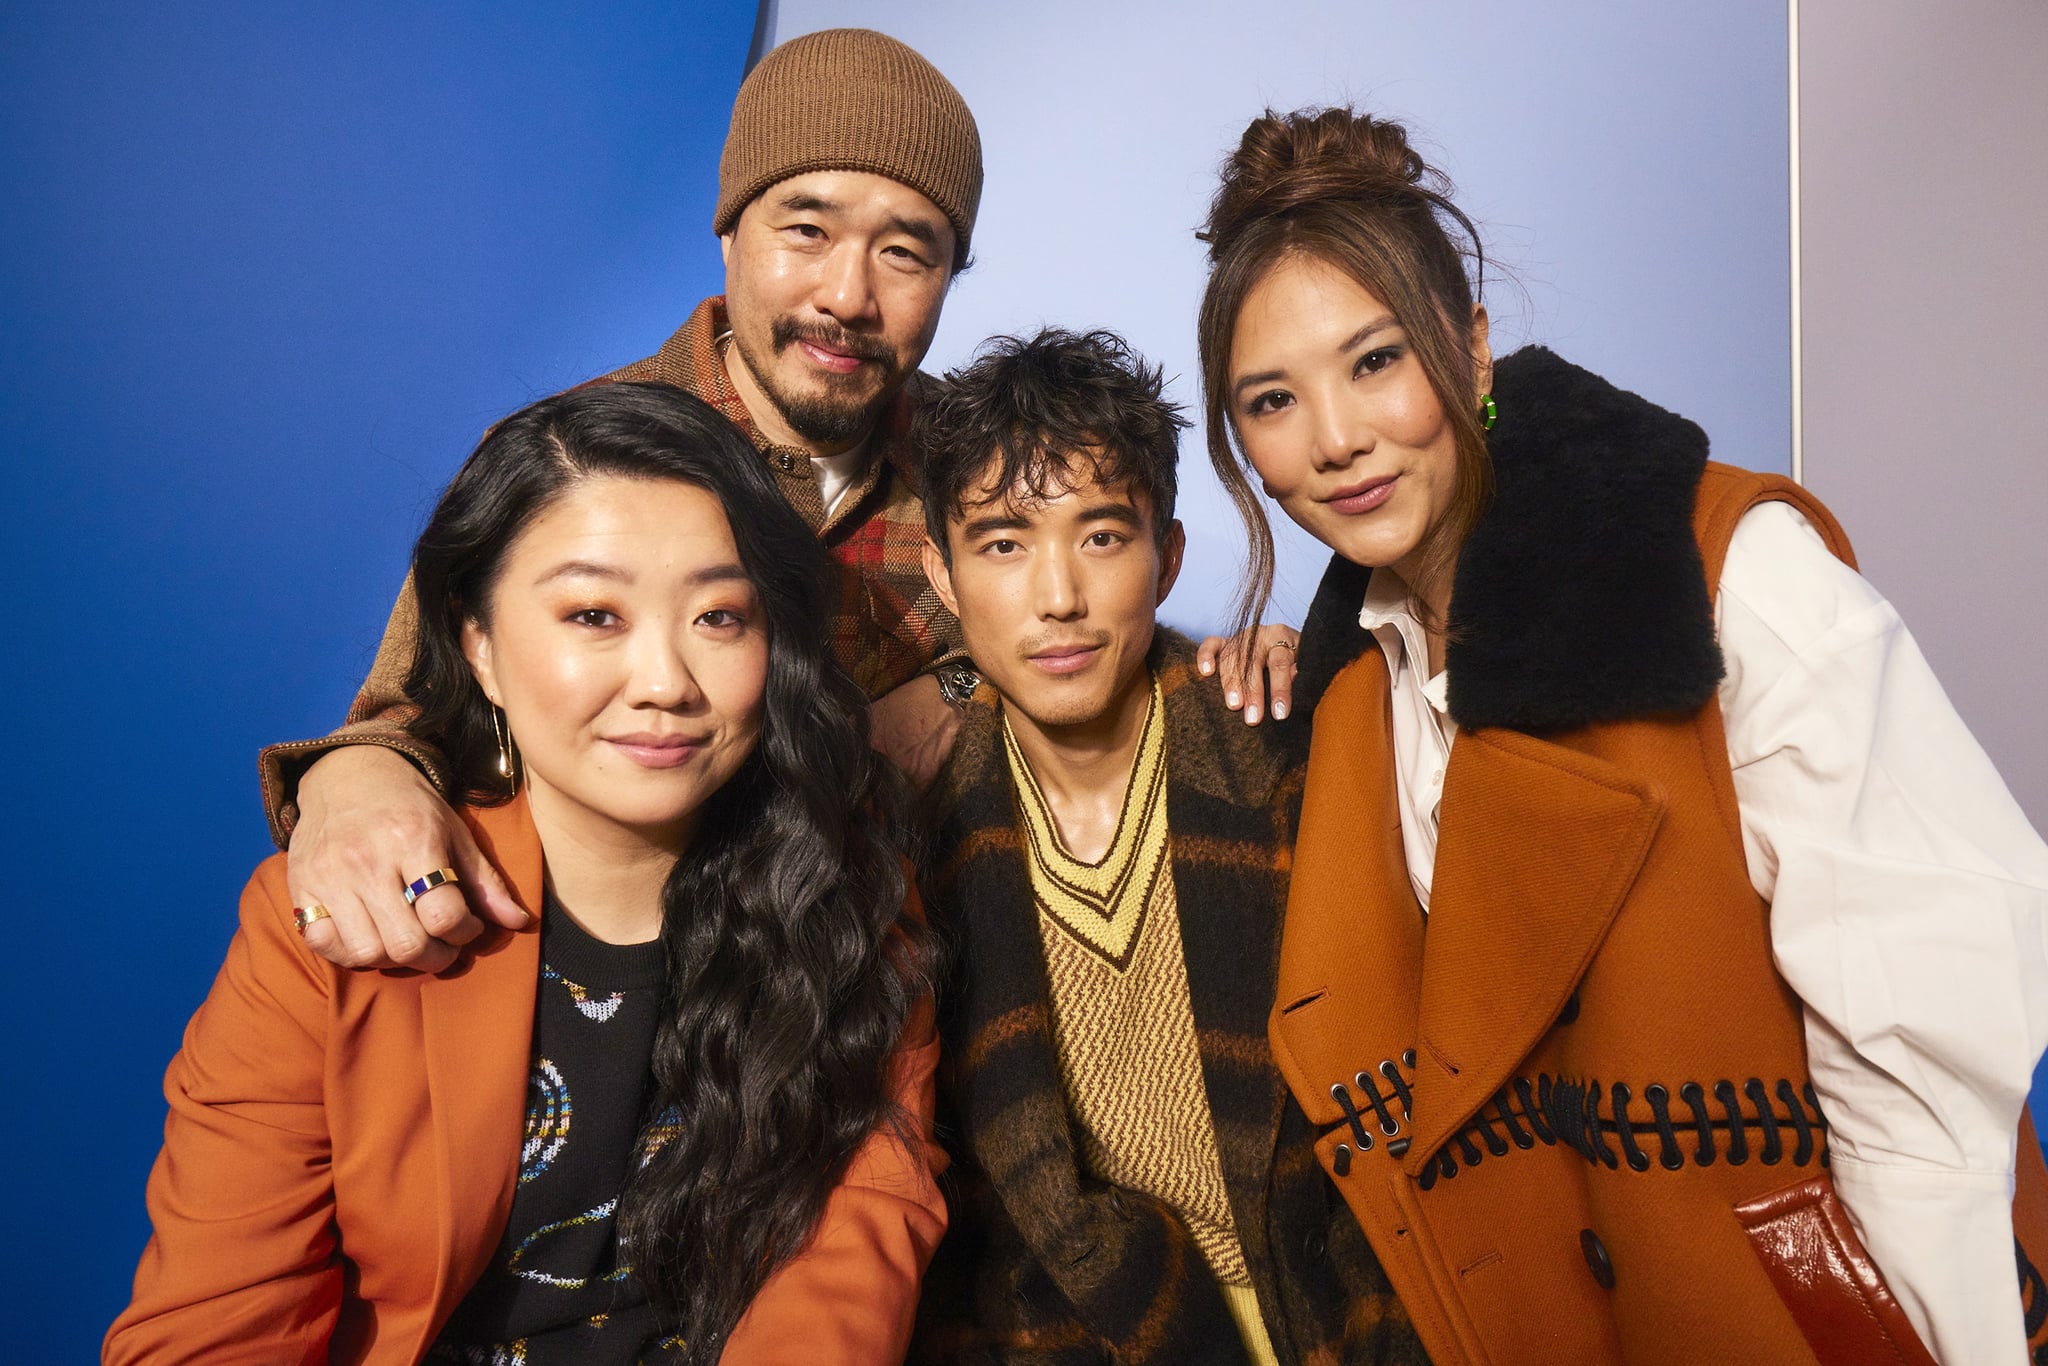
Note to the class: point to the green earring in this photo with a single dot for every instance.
(1488, 411)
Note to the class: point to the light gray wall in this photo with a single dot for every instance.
(1924, 188)
(1627, 161)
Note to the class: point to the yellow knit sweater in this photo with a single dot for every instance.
(1122, 1023)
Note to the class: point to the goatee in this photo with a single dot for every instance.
(846, 406)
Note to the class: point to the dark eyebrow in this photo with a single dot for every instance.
(1350, 343)
(995, 521)
(1011, 520)
(719, 573)
(917, 229)
(797, 201)
(584, 569)
(1113, 512)
(591, 569)
(1364, 334)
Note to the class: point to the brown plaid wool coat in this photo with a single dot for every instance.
(1043, 1264)
(887, 627)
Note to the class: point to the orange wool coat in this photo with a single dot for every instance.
(342, 1149)
(1516, 1102)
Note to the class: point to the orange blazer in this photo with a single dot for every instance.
(342, 1148)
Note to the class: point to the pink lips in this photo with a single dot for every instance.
(838, 362)
(1066, 659)
(658, 751)
(1363, 497)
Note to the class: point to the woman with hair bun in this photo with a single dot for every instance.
(716, 1034)
(1665, 965)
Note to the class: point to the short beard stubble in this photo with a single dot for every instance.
(841, 413)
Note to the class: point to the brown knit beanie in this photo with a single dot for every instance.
(850, 99)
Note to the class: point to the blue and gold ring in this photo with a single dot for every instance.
(420, 886)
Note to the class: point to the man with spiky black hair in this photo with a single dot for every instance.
(1111, 861)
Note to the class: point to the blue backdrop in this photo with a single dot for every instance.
(266, 273)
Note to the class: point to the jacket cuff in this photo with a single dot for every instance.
(280, 767)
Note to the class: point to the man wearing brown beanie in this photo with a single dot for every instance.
(847, 193)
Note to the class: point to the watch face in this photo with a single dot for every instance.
(957, 684)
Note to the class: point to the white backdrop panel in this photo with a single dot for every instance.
(1626, 163)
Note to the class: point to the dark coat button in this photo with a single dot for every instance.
(1597, 1260)
(1315, 1246)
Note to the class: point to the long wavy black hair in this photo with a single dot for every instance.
(792, 967)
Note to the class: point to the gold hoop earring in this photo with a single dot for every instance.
(508, 766)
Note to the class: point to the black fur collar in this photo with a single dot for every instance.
(1580, 596)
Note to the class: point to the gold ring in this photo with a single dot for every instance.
(420, 886)
(305, 917)
(1287, 645)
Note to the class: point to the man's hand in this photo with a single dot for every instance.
(914, 728)
(1273, 647)
(369, 824)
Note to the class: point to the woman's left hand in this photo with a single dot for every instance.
(1271, 674)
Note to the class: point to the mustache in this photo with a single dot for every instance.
(1039, 644)
(786, 332)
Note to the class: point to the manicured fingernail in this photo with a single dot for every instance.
(1279, 711)
(1206, 667)
(1251, 714)
(1232, 698)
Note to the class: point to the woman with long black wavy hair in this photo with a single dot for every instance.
(718, 1034)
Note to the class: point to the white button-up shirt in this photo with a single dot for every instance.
(836, 474)
(1909, 906)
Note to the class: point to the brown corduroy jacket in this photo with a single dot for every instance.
(1571, 1110)
(887, 627)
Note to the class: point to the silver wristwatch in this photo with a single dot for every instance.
(957, 682)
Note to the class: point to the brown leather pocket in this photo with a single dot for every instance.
(1830, 1286)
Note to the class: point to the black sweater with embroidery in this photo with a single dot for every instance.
(559, 1289)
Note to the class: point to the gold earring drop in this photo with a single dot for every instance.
(507, 769)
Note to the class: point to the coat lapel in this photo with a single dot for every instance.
(1351, 953)
(1538, 848)
(999, 1021)
(478, 1034)
(1231, 856)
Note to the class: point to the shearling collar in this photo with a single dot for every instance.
(1580, 597)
